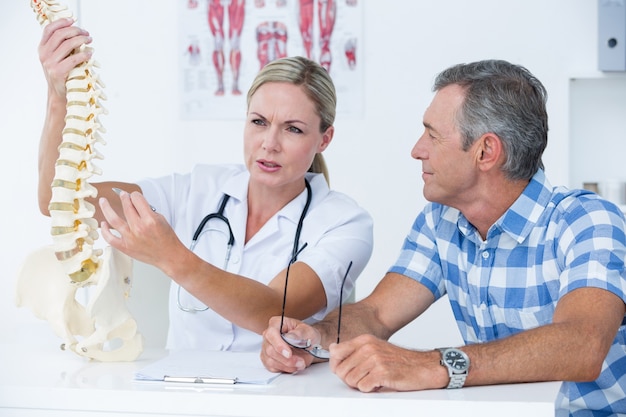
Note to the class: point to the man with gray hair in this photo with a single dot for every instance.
(534, 273)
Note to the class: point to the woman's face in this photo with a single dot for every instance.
(282, 135)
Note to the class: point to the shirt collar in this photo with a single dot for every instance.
(237, 185)
(519, 220)
(237, 188)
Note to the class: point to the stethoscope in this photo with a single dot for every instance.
(219, 215)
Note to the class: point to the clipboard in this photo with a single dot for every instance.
(208, 367)
(200, 380)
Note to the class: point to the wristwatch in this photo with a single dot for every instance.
(458, 364)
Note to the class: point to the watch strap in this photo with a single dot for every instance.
(457, 380)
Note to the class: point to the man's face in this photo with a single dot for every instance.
(449, 172)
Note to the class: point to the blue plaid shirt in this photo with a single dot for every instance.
(551, 241)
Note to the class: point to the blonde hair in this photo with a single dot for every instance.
(317, 85)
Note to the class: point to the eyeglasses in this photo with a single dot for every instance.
(315, 350)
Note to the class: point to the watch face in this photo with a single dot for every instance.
(456, 359)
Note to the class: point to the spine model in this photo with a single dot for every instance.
(74, 229)
(50, 277)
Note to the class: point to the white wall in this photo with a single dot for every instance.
(406, 43)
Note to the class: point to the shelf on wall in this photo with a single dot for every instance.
(597, 131)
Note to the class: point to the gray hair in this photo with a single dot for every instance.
(507, 100)
(317, 85)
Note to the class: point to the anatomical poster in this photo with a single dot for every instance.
(224, 43)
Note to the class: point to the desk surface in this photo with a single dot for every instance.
(47, 381)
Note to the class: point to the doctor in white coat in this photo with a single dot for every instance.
(229, 272)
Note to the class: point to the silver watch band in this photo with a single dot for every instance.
(457, 381)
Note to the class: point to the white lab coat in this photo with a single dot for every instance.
(335, 229)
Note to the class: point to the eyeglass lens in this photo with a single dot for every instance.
(305, 344)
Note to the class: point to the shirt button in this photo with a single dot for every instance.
(234, 259)
(483, 306)
(485, 255)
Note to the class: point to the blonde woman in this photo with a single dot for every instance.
(225, 234)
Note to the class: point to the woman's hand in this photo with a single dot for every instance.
(140, 233)
(277, 355)
(59, 52)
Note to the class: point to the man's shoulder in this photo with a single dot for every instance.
(580, 202)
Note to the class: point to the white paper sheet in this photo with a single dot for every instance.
(205, 366)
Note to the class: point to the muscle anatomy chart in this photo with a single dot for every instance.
(224, 43)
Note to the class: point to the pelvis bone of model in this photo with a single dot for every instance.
(50, 277)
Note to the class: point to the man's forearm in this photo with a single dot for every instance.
(572, 348)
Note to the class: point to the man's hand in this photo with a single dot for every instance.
(370, 364)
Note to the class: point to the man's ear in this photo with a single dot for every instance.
(489, 152)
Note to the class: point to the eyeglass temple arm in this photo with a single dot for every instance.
(291, 262)
(341, 300)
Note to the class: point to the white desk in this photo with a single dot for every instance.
(45, 381)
